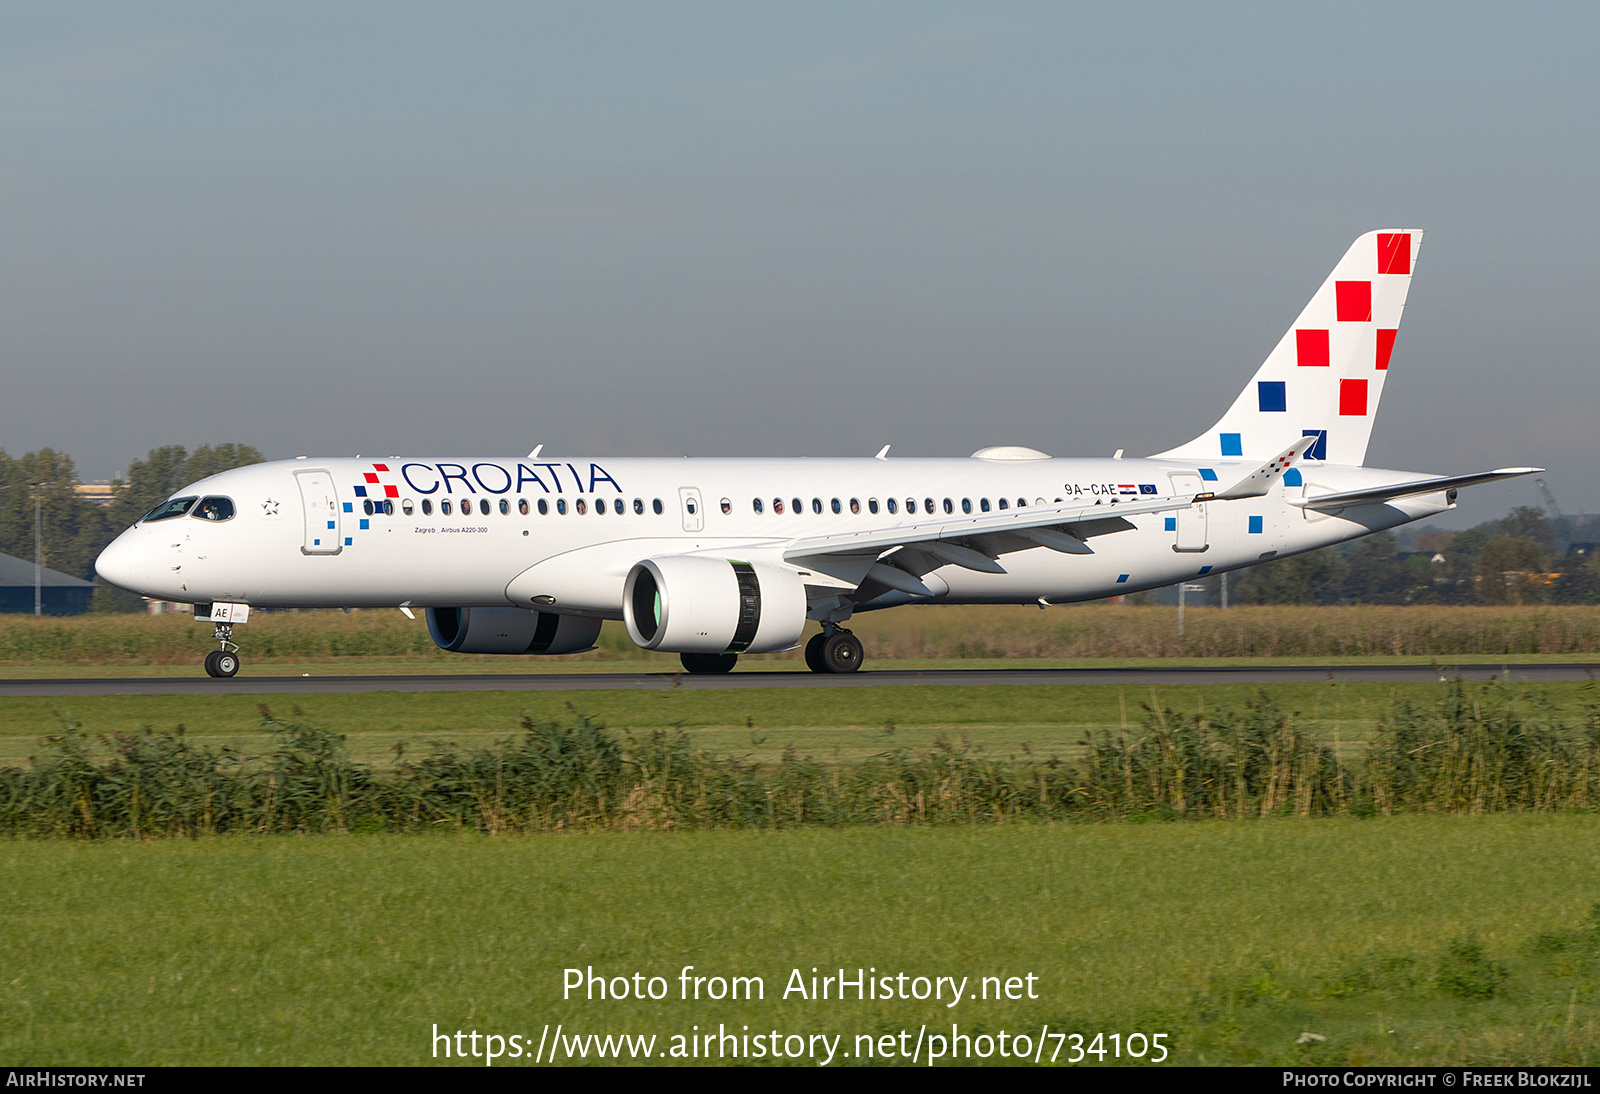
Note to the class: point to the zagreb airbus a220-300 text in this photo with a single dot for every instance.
(711, 558)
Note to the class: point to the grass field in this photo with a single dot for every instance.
(1234, 939)
(297, 641)
(843, 723)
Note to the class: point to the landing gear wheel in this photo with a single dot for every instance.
(211, 662)
(841, 652)
(705, 663)
(814, 653)
(227, 664)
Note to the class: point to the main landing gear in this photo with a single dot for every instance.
(834, 650)
(223, 662)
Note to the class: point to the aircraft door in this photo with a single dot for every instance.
(320, 502)
(694, 513)
(1190, 523)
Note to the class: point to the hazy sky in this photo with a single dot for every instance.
(784, 229)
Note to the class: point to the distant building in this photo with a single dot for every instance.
(1581, 550)
(60, 594)
(100, 493)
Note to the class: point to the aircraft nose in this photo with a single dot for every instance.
(119, 562)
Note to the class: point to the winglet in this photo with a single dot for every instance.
(1259, 481)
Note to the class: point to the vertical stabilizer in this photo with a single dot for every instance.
(1326, 375)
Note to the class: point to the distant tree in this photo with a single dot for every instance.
(1529, 523)
(1373, 575)
(166, 470)
(72, 530)
(1315, 577)
(1501, 568)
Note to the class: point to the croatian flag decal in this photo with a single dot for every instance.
(1127, 488)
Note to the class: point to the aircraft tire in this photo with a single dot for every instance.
(708, 663)
(211, 662)
(814, 653)
(227, 664)
(841, 652)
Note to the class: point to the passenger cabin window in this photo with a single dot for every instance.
(966, 505)
(872, 505)
(983, 505)
(214, 509)
(777, 506)
(174, 507)
(366, 507)
(816, 505)
(505, 507)
(483, 506)
(756, 504)
(911, 505)
(638, 506)
(561, 506)
(580, 506)
(618, 508)
(892, 504)
(388, 507)
(444, 507)
(600, 507)
(799, 507)
(835, 505)
(727, 506)
(1004, 504)
(522, 506)
(427, 507)
(656, 506)
(544, 507)
(855, 505)
(927, 505)
(408, 508)
(948, 508)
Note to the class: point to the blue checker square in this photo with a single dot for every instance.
(1255, 526)
(348, 508)
(348, 541)
(1208, 475)
(316, 543)
(1273, 395)
(1319, 451)
(1292, 477)
(1232, 444)
(361, 491)
(365, 523)
(1203, 571)
(330, 524)
(1122, 579)
(1172, 524)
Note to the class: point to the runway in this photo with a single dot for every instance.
(887, 678)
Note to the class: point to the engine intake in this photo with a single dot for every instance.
(692, 604)
(510, 630)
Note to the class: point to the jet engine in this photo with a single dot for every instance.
(510, 630)
(691, 604)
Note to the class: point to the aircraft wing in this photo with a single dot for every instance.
(1376, 495)
(1096, 519)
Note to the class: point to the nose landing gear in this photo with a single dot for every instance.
(223, 662)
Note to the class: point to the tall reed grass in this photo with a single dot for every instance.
(1477, 750)
(920, 632)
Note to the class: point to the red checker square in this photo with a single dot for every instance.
(391, 491)
(1354, 301)
(371, 477)
(1385, 348)
(1353, 398)
(380, 467)
(1394, 252)
(1311, 348)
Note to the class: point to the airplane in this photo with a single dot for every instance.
(713, 558)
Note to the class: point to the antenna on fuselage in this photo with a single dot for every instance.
(883, 453)
(535, 453)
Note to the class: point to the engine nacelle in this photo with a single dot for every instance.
(691, 604)
(510, 630)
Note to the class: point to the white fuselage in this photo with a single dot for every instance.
(301, 535)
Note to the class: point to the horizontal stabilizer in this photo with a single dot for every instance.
(1378, 494)
(1259, 481)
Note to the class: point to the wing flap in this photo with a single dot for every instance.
(1100, 517)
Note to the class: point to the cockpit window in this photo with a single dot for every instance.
(214, 509)
(172, 507)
